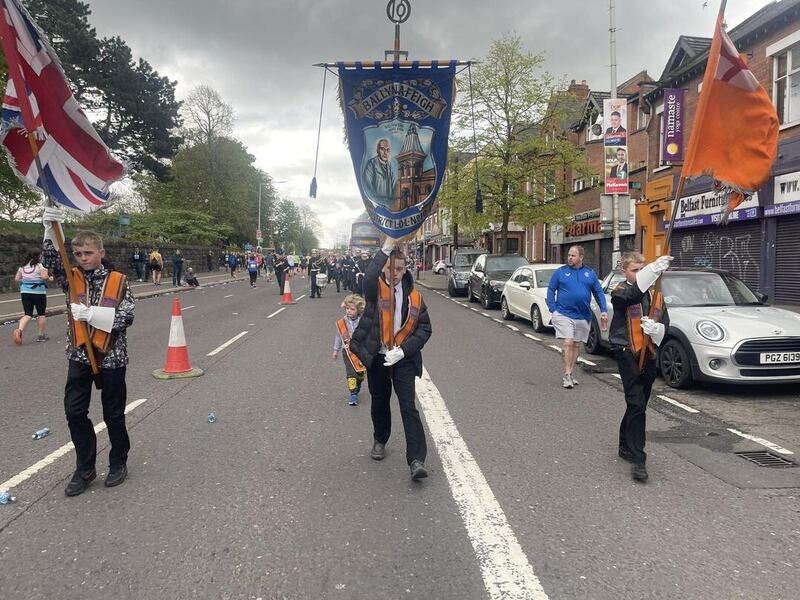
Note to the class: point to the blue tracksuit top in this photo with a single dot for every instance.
(570, 292)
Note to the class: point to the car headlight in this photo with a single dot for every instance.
(497, 285)
(710, 330)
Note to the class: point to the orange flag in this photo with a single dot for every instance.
(735, 130)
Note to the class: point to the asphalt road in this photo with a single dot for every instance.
(279, 498)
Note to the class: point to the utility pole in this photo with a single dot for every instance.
(612, 29)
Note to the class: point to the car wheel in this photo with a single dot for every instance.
(451, 289)
(536, 319)
(675, 366)
(507, 314)
(592, 344)
(470, 295)
(485, 303)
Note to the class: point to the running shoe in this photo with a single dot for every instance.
(566, 381)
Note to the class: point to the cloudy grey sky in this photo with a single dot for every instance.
(258, 55)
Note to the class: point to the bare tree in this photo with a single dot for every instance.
(206, 115)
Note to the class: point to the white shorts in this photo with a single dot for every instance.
(573, 329)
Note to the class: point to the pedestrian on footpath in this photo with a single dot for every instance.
(210, 261)
(107, 306)
(390, 346)
(281, 270)
(252, 269)
(631, 300)
(138, 261)
(354, 369)
(156, 262)
(191, 280)
(569, 295)
(177, 268)
(316, 266)
(32, 278)
(232, 262)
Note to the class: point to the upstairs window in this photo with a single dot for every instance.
(786, 84)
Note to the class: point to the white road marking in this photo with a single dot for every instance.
(512, 328)
(187, 307)
(556, 348)
(617, 375)
(587, 362)
(758, 440)
(228, 296)
(497, 321)
(300, 297)
(486, 315)
(276, 312)
(679, 404)
(55, 455)
(226, 344)
(506, 571)
(473, 308)
(533, 337)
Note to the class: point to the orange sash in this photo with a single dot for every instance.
(113, 288)
(638, 339)
(387, 322)
(354, 360)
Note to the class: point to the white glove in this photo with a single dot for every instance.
(100, 317)
(51, 214)
(389, 244)
(649, 273)
(654, 330)
(394, 355)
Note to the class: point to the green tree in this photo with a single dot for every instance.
(288, 223)
(520, 123)
(17, 200)
(206, 115)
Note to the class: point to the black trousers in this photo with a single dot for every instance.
(637, 386)
(380, 380)
(253, 275)
(280, 276)
(312, 275)
(77, 394)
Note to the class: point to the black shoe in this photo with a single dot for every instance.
(639, 472)
(79, 482)
(116, 475)
(625, 454)
(378, 451)
(418, 470)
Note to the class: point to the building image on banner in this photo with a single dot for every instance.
(398, 123)
(615, 142)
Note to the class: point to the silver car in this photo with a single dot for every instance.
(720, 330)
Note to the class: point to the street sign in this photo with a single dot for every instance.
(258, 235)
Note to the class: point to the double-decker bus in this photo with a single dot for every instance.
(364, 236)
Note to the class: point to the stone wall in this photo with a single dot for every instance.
(14, 248)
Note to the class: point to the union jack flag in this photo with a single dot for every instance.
(78, 167)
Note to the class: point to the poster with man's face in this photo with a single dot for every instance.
(615, 145)
(616, 175)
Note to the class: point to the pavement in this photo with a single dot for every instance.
(279, 499)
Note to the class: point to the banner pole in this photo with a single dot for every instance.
(14, 71)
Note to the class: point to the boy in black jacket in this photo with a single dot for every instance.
(399, 365)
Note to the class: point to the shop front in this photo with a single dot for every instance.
(596, 238)
(783, 216)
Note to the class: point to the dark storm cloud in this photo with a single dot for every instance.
(258, 55)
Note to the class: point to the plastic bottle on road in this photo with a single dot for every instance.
(6, 498)
(212, 417)
(42, 433)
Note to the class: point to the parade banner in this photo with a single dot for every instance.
(397, 122)
(615, 142)
(672, 135)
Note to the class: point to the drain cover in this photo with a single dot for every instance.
(762, 458)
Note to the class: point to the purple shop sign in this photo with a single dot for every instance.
(672, 133)
(743, 214)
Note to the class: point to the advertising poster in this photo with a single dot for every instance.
(672, 134)
(615, 145)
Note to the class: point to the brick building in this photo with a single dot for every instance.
(761, 244)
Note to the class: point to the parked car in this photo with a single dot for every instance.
(459, 269)
(720, 330)
(525, 295)
(489, 275)
(440, 266)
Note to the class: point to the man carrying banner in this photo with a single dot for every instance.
(390, 347)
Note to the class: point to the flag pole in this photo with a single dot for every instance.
(14, 71)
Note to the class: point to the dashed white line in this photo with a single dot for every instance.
(228, 296)
(187, 307)
(617, 375)
(226, 344)
(758, 440)
(56, 454)
(556, 348)
(587, 362)
(486, 315)
(512, 328)
(506, 571)
(300, 297)
(280, 310)
(472, 308)
(533, 337)
(497, 321)
(679, 404)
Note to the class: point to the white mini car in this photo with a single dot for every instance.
(440, 266)
(525, 295)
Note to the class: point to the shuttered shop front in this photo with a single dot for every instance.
(787, 260)
(735, 248)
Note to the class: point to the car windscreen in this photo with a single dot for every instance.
(464, 260)
(504, 263)
(706, 289)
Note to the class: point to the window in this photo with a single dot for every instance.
(660, 117)
(578, 184)
(512, 245)
(641, 118)
(595, 181)
(549, 186)
(786, 85)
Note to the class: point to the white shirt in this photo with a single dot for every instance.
(398, 312)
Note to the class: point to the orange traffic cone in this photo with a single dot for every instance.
(287, 293)
(177, 365)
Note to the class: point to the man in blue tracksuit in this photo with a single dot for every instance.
(568, 297)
